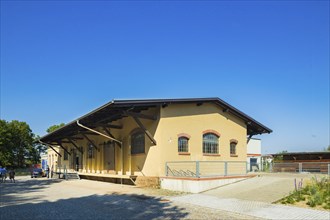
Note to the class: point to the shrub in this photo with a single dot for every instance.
(317, 193)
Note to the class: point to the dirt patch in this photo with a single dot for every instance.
(302, 204)
(160, 192)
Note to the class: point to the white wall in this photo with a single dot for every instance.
(254, 151)
(254, 146)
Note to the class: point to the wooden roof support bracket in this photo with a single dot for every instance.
(51, 148)
(60, 144)
(140, 115)
(249, 138)
(74, 144)
(109, 133)
(96, 132)
(145, 130)
(90, 141)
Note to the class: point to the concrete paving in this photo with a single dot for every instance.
(254, 197)
(264, 188)
(252, 208)
(84, 199)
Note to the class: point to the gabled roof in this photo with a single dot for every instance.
(115, 109)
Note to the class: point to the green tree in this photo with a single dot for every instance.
(54, 127)
(328, 149)
(279, 156)
(17, 148)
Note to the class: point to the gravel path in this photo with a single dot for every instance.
(83, 199)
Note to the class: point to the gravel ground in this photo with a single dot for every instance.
(83, 199)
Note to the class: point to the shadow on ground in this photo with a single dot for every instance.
(8, 190)
(113, 206)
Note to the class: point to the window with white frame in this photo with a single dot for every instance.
(210, 143)
(183, 146)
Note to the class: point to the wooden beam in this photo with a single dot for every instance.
(108, 126)
(114, 116)
(109, 133)
(60, 144)
(114, 126)
(54, 150)
(145, 130)
(92, 143)
(74, 144)
(65, 142)
(76, 138)
(249, 138)
(87, 132)
(140, 115)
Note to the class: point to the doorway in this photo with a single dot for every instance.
(109, 155)
(254, 164)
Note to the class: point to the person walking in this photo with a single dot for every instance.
(12, 175)
(3, 174)
(47, 171)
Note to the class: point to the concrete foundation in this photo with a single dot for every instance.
(197, 185)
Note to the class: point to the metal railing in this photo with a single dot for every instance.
(200, 169)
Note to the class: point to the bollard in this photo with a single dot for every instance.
(226, 168)
(197, 169)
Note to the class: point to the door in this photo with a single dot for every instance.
(109, 155)
(77, 163)
(253, 164)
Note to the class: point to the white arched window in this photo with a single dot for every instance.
(210, 143)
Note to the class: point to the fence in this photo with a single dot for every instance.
(311, 167)
(199, 169)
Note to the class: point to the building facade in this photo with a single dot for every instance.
(254, 154)
(139, 137)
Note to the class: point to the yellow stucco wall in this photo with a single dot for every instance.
(172, 120)
(194, 120)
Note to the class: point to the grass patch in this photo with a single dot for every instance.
(315, 194)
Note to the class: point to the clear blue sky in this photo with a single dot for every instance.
(270, 59)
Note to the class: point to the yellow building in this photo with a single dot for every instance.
(155, 138)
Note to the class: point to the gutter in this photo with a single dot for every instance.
(99, 133)
(106, 136)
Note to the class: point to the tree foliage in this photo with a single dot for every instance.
(54, 127)
(17, 148)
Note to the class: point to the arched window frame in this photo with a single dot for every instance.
(137, 142)
(91, 150)
(233, 147)
(211, 142)
(183, 144)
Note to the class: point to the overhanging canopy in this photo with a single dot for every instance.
(117, 109)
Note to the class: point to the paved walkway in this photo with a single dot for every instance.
(252, 208)
(84, 199)
(265, 188)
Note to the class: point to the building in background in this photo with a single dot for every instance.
(44, 160)
(254, 155)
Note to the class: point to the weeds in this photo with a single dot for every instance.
(317, 193)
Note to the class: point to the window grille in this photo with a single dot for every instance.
(90, 151)
(137, 143)
(66, 155)
(232, 148)
(183, 144)
(210, 144)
